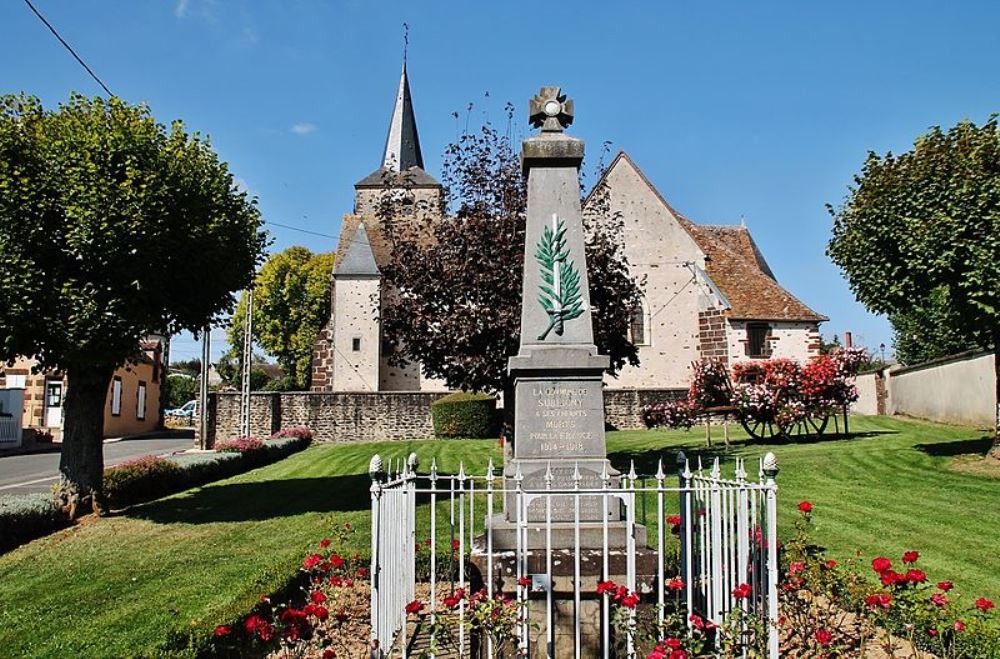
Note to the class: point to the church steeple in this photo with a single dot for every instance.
(402, 166)
(402, 144)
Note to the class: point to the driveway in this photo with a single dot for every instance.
(36, 472)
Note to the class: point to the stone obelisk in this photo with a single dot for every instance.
(558, 395)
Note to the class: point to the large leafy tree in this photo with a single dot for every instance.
(921, 230)
(456, 301)
(112, 226)
(290, 304)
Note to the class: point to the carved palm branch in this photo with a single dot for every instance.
(559, 291)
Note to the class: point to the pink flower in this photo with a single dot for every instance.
(823, 637)
(795, 567)
(939, 599)
(932, 631)
(959, 626)
(984, 604)
(911, 556)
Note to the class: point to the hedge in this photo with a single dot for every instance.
(26, 517)
(466, 415)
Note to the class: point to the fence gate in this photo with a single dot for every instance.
(727, 535)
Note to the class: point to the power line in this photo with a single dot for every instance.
(288, 226)
(68, 47)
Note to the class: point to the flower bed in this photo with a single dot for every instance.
(24, 518)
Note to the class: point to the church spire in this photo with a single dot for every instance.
(402, 145)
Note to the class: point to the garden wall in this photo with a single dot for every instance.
(957, 389)
(361, 416)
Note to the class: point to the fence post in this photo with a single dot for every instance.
(684, 481)
(375, 471)
(771, 471)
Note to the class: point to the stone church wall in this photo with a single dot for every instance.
(374, 416)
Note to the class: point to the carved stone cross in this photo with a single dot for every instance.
(551, 110)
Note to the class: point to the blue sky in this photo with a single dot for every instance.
(755, 110)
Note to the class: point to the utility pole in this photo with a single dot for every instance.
(206, 366)
(247, 364)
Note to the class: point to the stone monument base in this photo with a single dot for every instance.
(563, 535)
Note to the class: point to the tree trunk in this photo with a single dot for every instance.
(81, 465)
(995, 450)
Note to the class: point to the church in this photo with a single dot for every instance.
(708, 291)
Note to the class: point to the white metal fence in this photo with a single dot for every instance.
(727, 536)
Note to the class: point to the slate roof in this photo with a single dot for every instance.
(356, 257)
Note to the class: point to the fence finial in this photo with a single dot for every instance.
(412, 462)
(489, 471)
(461, 470)
(633, 476)
(716, 470)
(548, 475)
(770, 466)
(741, 469)
(518, 476)
(659, 469)
(434, 469)
(605, 476)
(576, 476)
(375, 468)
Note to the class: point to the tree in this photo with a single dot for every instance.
(180, 389)
(112, 226)
(290, 305)
(455, 305)
(930, 329)
(923, 229)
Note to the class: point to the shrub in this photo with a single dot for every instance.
(465, 414)
(180, 389)
(240, 445)
(140, 480)
(300, 432)
(25, 517)
(673, 414)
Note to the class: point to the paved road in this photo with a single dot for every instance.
(36, 472)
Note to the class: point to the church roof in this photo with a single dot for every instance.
(735, 264)
(355, 256)
(402, 160)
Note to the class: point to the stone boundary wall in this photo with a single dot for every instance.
(384, 415)
(957, 390)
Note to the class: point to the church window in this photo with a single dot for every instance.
(757, 334)
(639, 324)
(356, 344)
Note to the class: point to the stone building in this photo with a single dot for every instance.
(709, 293)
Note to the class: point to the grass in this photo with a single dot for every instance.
(140, 583)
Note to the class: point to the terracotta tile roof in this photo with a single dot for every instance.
(738, 268)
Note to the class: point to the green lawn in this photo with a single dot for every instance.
(136, 584)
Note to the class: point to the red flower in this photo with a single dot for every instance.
(984, 604)
(674, 520)
(329, 653)
(255, 624)
(336, 561)
(823, 637)
(911, 556)
(223, 630)
(795, 567)
(416, 606)
(883, 600)
(932, 632)
(881, 564)
(524, 581)
(311, 561)
(452, 600)
(891, 578)
(806, 507)
(939, 599)
(672, 643)
(697, 621)
(675, 584)
(959, 626)
(678, 654)
(342, 616)
(630, 601)
(321, 612)
(317, 597)
(362, 573)
(831, 563)
(605, 587)
(945, 585)
(742, 591)
(916, 576)
(336, 581)
(324, 543)
(455, 544)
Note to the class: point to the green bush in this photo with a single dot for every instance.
(141, 480)
(24, 517)
(180, 389)
(467, 415)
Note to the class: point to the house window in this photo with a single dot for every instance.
(757, 334)
(356, 344)
(116, 396)
(140, 406)
(639, 324)
(16, 381)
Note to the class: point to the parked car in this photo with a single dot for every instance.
(185, 412)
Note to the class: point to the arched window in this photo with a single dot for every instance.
(639, 324)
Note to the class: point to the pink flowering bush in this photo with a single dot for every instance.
(674, 414)
(298, 432)
(240, 445)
